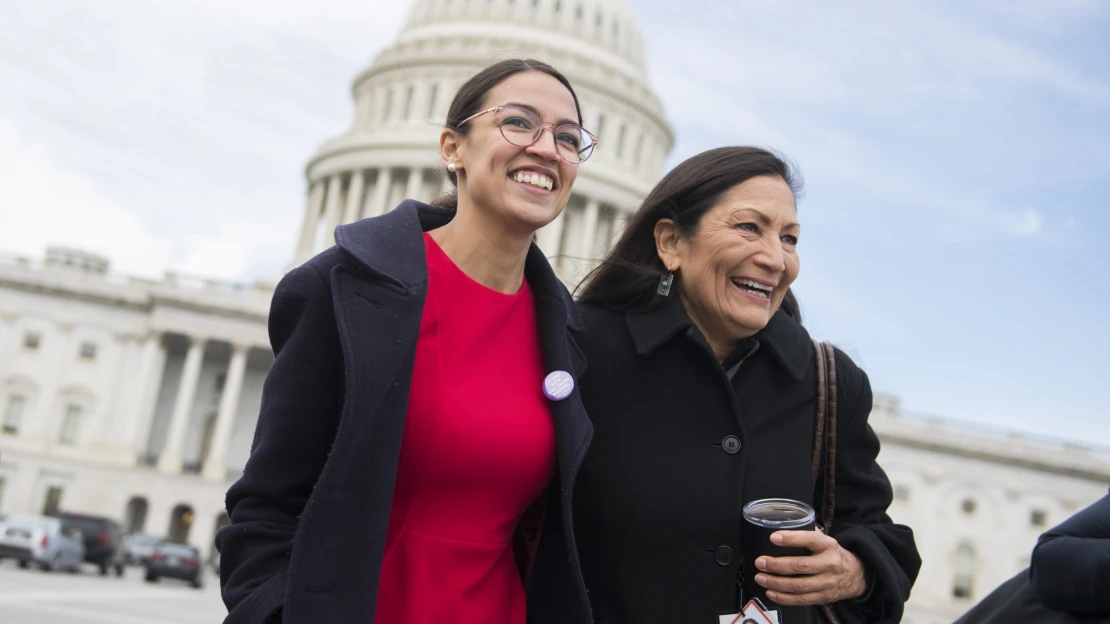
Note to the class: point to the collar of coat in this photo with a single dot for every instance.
(390, 247)
(784, 337)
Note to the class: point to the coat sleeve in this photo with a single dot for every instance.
(301, 403)
(863, 494)
(1071, 562)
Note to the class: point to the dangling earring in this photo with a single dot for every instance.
(665, 283)
(451, 167)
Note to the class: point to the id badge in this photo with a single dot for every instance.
(753, 613)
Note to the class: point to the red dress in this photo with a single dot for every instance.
(478, 449)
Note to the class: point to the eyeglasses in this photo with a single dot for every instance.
(522, 128)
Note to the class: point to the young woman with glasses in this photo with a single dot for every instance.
(419, 432)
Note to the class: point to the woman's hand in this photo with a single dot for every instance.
(829, 575)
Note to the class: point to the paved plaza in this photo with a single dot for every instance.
(35, 597)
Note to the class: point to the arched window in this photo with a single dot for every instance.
(135, 515)
(963, 580)
(181, 521)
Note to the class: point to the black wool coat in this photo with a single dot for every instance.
(659, 498)
(309, 515)
(1071, 564)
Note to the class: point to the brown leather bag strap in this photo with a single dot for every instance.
(824, 439)
(828, 505)
(819, 421)
(824, 430)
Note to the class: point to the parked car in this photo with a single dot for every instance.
(179, 561)
(137, 547)
(102, 540)
(42, 541)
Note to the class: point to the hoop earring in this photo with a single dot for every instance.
(665, 284)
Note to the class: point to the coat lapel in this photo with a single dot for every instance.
(388, 290)
(378, 301)
(555, 314)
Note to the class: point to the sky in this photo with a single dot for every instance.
(956, 157)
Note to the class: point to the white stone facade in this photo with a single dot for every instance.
(119, 392)
(977, 500)
(137, 398)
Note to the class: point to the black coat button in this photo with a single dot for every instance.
(731, 444)
(723, 555)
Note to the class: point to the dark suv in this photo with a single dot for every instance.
(102, 540)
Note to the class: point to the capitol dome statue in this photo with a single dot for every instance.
(390, 152)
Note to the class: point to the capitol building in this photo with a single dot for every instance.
(137, 398)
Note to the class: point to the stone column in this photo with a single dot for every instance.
(354, 197)
(550, 237)
(381, 192)
(215, 466)
(122, 401)
(331, 209)
(589, 230)
(415, 184)
(306, 245)
(152, 363)
(446, 187)
(171, 457)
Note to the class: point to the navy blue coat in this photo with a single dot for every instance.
(309, 515)
(1071, 563)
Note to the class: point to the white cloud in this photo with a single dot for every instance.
(915, 107)
(1024, 224)
(174, 135)
(46, 203)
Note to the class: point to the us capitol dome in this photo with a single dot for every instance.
(391, 150)
(136, 398)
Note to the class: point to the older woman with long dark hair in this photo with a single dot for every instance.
(703, 389)
(417, 427)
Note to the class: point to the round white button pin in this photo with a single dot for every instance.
(558, 385)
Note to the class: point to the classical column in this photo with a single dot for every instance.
(416, 182)
(152, 363)
(215, 466)
(305, 246)
(589, 230)
(354, 197)
(171, 457)
(331, 209)
(381, 192)
(550, 237)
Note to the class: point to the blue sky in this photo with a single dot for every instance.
(956, 158)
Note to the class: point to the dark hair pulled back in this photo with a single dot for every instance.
(472, 94)
(627, 278)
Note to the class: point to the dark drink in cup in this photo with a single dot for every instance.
(765, 517)
(778, 514)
